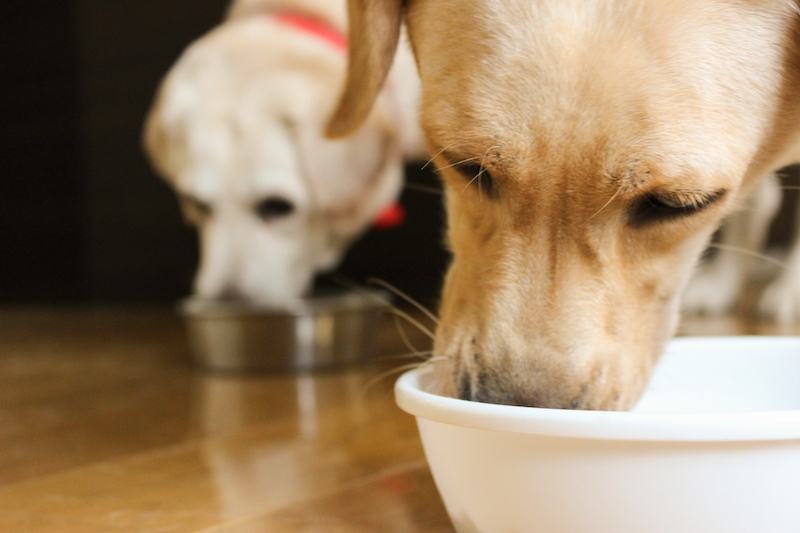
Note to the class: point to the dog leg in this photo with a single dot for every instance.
(718, 281)
(781, 299)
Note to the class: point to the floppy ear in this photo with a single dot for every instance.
(154, 139)
(374, 34)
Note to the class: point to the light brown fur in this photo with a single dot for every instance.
(565, 286)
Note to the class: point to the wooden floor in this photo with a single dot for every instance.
(105, 427)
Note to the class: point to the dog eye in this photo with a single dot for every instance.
(273, 207)
(655, 208)
(479, 176)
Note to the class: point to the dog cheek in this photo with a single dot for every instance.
(215, 269)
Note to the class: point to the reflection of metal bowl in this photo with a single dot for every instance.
(313, 333)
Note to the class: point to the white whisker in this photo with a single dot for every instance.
(456, 163)
(607, 203)
(388, 286)
(403, 336)
(393, 308)
(477, 177)
(412, 321)
(437, 154)
(383, 375)
(751, 253)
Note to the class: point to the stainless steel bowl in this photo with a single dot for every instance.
(313, 333)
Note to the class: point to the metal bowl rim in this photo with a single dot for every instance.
(363, 300)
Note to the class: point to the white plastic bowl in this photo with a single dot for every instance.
(712, 447)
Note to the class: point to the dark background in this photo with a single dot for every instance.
(82, 216)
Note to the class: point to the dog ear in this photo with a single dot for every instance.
(154, 139)
(374, 35)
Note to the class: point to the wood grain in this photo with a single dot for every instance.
(106, 426)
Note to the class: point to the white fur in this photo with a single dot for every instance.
(239, 119)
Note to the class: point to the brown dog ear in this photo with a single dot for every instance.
(374, 34)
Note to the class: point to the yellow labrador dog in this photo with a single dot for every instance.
(589, 148)
(237, 131)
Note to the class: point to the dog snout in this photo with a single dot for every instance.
(591, 385)
(482, 386)
(571, 360)
(475, 379)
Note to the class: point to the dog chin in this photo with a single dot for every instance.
(274, 295)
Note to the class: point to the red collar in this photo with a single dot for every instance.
(394, 214)
(312, 26)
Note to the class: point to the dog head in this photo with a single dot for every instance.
(236, 130)
(589, 150)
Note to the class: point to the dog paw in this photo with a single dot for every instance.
(781, 299)
(713, 290)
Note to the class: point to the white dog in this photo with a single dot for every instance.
(236, 129)
(590, 149)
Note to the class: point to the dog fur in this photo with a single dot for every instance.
(717, 283)
(739, 262)
(237, 131)
(590, 148)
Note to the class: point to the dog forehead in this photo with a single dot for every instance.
(564, 29)
(683, 79)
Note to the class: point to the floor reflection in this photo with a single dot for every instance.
(109, 428)
(272, 441)
(226, 404)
